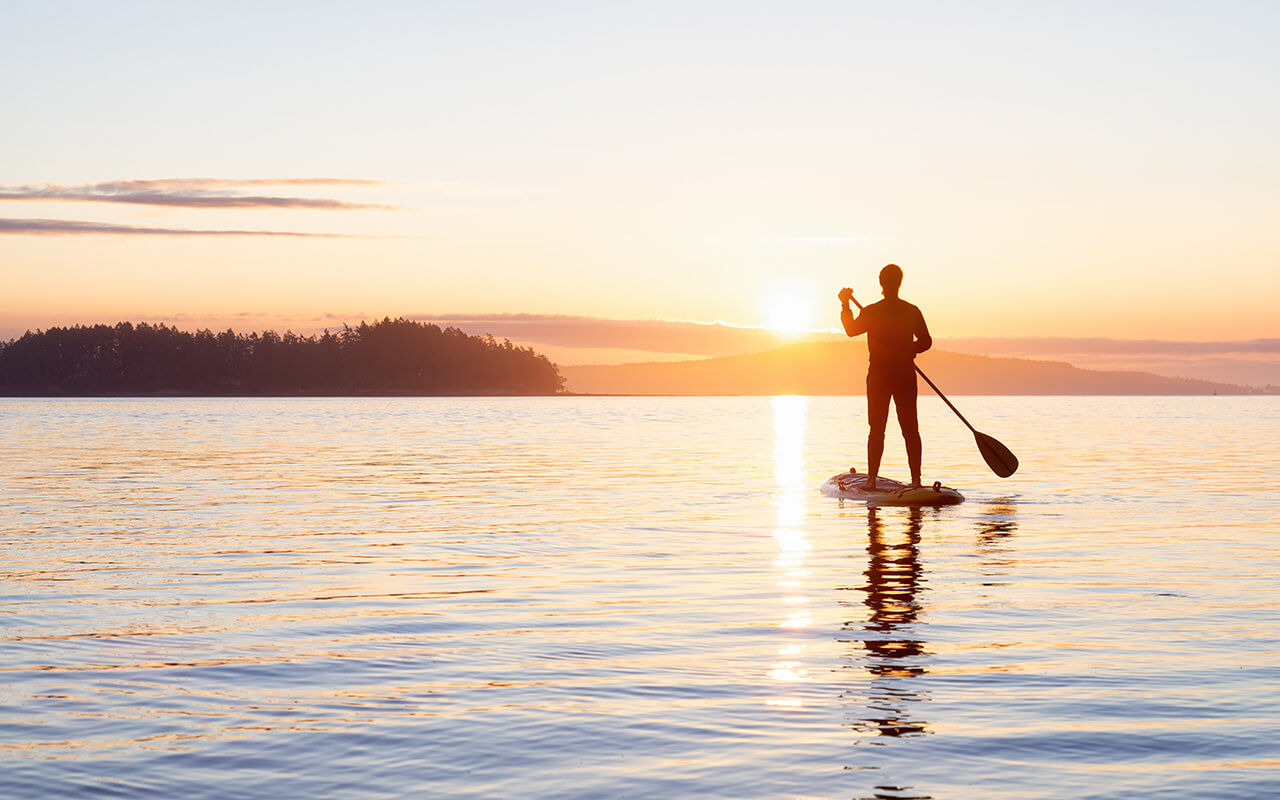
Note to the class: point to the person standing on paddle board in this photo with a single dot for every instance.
(896, 332)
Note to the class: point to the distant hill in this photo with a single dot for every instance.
(838, 368)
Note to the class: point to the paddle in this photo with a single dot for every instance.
(997, 456)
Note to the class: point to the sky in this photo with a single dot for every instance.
(1085, 169)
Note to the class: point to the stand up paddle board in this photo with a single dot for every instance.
(851, 486)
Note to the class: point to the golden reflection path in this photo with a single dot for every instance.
(793, 544)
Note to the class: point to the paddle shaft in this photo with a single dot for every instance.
(938, 392)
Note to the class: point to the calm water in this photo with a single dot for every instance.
(634, 597)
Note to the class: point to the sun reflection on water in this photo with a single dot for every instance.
(793, 542)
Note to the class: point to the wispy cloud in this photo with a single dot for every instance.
(1067, 346)
(453, 189)
(652, 335)
(64, 227)
(818, 239)
(193, 193)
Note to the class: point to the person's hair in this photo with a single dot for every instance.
(891, 276)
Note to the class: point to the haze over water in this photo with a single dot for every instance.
(634, 597)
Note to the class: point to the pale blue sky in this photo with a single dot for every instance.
(1038, 169)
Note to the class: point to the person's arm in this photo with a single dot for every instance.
(923, 340)
(852, 326)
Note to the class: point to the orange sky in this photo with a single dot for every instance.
(1098, 170)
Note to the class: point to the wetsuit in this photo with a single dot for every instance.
(896, 332)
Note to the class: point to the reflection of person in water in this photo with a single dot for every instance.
(894, 580)
(896, 332)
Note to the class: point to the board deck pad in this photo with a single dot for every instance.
(849, 486)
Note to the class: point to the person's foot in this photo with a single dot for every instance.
(870, 484)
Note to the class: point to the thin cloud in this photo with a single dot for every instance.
(193, 193)
(450, 189)
(1068, 346)
(651, 335)
(211, 182)
(818, 239)
(65, 227)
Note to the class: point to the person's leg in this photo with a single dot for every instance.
(905, 393)
(879, 391)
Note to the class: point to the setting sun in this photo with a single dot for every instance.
(790, 313)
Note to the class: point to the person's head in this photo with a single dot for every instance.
(891, 279)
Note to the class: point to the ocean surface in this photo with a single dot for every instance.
(594, 597)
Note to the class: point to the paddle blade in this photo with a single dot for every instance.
(997, 456)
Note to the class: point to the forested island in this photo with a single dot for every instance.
(390, 357)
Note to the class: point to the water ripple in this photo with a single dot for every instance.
(632, 597)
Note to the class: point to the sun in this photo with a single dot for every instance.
(790, 313)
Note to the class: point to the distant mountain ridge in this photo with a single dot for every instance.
(595, 340)
(839, 368)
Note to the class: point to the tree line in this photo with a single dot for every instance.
(388, 357)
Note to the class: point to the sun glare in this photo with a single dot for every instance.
(789, 314)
